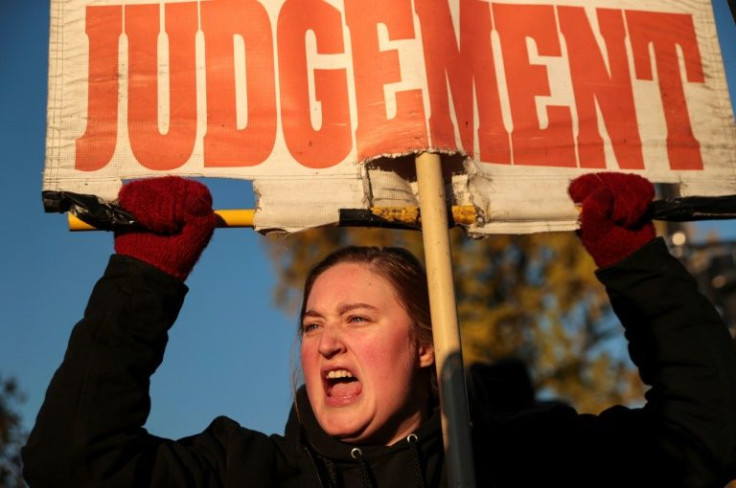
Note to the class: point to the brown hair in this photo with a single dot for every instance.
(405, 273)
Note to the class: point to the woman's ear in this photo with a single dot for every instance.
(426, 355)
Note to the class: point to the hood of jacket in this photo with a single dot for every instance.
(414, 461)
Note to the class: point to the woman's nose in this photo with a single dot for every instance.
(330, 342)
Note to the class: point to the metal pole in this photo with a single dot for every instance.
(447, 348)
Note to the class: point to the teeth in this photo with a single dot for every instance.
(339, 373)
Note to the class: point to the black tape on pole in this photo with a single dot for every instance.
(686, 209)
(360, 217)
(89, 209)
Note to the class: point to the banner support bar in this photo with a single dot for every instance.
(678, 209)
(445, 330)
(397, 217)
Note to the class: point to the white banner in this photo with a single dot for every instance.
(313, 99)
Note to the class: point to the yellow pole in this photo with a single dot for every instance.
(461, 214)
(447, 347)
(226, 218)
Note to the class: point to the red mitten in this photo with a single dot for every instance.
(613, 222)
(178, 219)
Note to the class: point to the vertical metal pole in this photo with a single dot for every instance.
(447, 348)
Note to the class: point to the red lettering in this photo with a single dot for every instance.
(376, 133)
(608, 87)
(96, 147)
(465, 68)
(664, 32)
(225, 144)
(533, 145)
(331, 143)
(151, 147)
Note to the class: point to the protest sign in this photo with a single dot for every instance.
(309, 97)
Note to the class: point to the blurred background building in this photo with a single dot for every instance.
(709, 258)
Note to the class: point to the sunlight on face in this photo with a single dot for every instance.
(359, 359)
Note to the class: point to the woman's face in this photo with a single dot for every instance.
(359, 358)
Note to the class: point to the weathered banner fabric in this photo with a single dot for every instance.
(315, 99)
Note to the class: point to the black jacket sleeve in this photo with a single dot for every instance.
(685, 434)
(89, 430)
(685, 353)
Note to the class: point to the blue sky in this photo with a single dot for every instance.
(230, 352)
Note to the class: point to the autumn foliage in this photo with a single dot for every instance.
(11, 435)
(532, 297)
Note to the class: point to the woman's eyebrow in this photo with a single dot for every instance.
(312, 313)
(342, 309)
(352, 306)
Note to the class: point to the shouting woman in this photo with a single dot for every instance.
(367, 414)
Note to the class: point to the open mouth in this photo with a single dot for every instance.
(341, 384)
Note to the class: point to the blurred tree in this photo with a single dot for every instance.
(532, 297)
(11, 434)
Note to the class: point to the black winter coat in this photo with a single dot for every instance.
(89, 431)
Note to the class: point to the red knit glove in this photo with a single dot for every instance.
(613, 223)
(178, 218)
